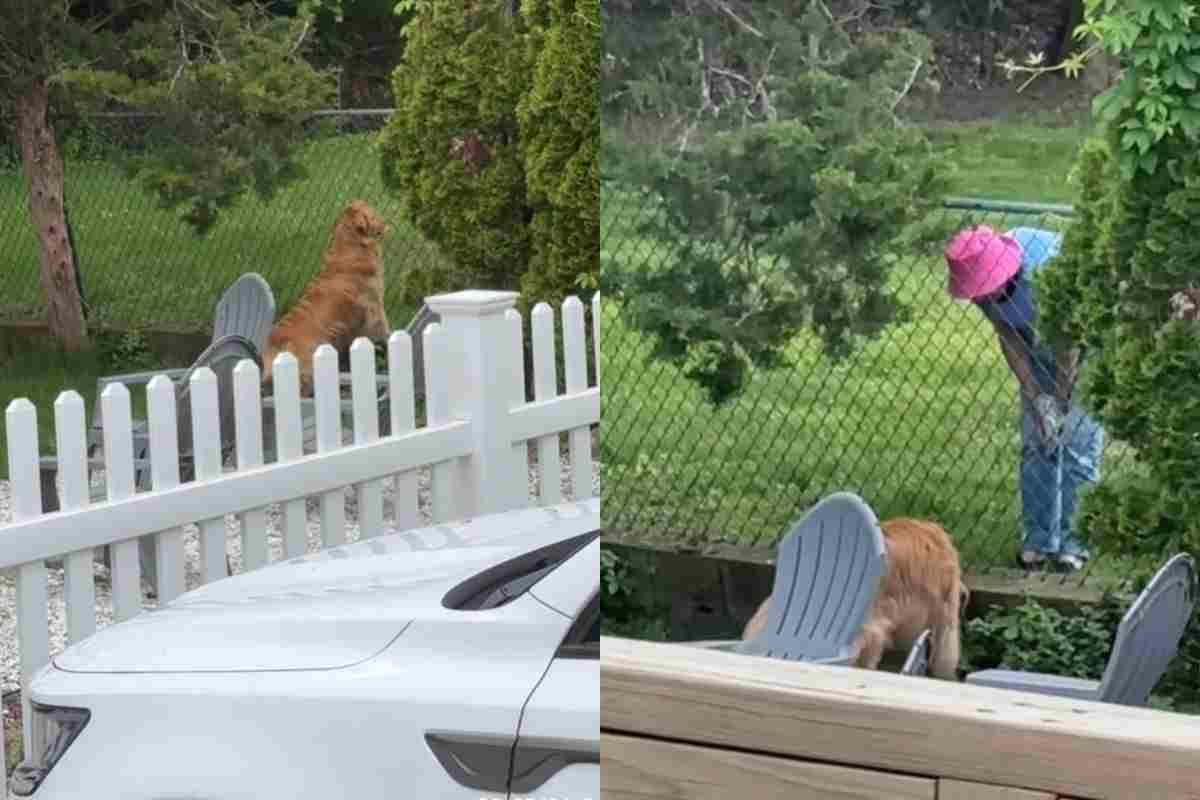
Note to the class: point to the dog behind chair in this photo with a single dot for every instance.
(921, 588)
(343, 302)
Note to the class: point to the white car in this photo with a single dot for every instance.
(455, 661)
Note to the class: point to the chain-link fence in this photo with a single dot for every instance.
(142, 266)
(924, 421)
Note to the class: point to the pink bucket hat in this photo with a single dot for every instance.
(981, 261)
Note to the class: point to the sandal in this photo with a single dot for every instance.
(1069, 562)
(1030, 560)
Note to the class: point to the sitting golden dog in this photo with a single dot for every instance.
(344, 301)
(921, 588)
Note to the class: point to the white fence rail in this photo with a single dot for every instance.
(475, 442)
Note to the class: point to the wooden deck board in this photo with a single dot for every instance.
(883, 721)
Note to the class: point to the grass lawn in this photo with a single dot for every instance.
(1017, 160)
(922, 422)
(142, 265)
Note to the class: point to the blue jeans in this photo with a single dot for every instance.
(1049, 482)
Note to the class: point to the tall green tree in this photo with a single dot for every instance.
(452, 148)
(1127, 287)
(493, 145)
(228, 82)
(560, 143)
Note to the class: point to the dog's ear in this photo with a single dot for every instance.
(362, 224)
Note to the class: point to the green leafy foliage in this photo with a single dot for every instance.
(559, 119)
(124, 351)
(784, 205)
(630, 607)
(1035, 638)
(1158, 42)
(1128, 261)
(494, 143)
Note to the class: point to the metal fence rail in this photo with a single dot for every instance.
(143, 267)
(923, 421)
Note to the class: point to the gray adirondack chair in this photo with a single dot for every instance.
(826, 576)
(221, 357)
(1147, 639)
(917, 663)
(246, 310)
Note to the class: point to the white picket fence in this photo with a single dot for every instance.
(475, 442)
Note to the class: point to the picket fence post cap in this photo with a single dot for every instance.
(471, 303)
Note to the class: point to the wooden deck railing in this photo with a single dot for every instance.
(680, 722)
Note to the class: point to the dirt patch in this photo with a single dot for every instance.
(973, 87)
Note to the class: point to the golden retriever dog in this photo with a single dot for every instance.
(344, 300)
(921, 588)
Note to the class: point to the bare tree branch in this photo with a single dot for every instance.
(183, 62)
(300, 41)
(718, 5)
(912, 78)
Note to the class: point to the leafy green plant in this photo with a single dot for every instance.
(1035, 638)
(1125, 288)
(560, 120)
(629, 605)
(494, 146)
(124, 351)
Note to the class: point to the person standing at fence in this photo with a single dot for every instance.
(1061, 445)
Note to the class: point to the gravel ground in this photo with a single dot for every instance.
(9, 656)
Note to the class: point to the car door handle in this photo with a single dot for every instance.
(482, 761)
(538, 760)
(477, 761)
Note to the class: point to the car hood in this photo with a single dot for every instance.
(328, 610)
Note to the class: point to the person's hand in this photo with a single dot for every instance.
(1050, 422)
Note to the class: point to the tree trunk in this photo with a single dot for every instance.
(1065, 44)
(43, 167)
